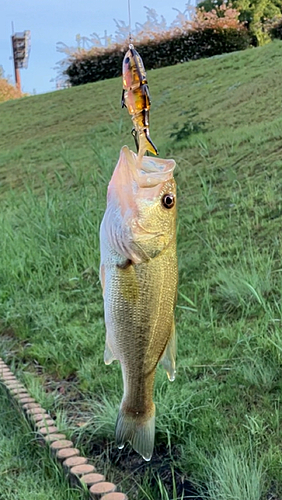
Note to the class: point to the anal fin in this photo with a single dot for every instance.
(169, 356)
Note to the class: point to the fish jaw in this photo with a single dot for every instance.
(145, 173)
(135, 222)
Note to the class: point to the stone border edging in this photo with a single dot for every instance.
(77, 469)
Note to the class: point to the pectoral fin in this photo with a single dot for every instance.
(109, 356)
(169, 356)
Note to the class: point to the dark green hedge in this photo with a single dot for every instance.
(187, 46)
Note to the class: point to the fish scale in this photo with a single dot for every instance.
(139, 279)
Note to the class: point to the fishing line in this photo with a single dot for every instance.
(129, 20)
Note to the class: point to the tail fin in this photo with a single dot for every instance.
(139, 432)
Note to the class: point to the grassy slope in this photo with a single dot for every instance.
(57, 153)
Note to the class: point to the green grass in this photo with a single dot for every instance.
(235, 475)
(220, 119)
(27, 471)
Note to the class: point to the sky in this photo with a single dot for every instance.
(52, 21)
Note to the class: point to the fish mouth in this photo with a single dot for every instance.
(148, 171)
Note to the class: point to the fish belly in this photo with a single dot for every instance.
(139, 311)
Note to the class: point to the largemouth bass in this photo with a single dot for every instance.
(136, 98)
(139, 277)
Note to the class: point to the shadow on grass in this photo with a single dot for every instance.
(158, 479)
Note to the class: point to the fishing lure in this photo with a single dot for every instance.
(136, 98)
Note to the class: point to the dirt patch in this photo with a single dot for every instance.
(127, 463)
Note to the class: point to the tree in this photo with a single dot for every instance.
(209, 5)
(257, 11)
(252, 12)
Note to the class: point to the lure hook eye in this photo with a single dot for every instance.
(168, 200)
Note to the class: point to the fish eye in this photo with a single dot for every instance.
(168, 200)
(127, 60)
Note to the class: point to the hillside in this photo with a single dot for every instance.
(218, 424)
